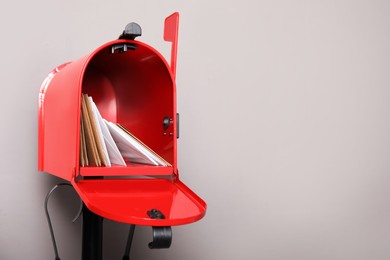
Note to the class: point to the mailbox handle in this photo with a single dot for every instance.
(171, 31)
(131, 31)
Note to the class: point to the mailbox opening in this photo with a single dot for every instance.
(135, 89)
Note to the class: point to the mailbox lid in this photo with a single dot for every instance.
(129, 200)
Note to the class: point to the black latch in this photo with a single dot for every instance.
(155, 214)
(166, 122)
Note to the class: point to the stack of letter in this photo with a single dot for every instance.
(103, 143)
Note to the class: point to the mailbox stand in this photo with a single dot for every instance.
(132, 85)
(92, 235)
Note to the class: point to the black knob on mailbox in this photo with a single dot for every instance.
(131, 31)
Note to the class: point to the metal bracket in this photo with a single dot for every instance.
(122, 47)
(162, 236)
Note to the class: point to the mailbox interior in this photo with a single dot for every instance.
(135, 89)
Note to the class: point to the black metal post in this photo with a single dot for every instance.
(126, 256)
(92, 244)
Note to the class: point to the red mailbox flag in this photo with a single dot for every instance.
(171, 31)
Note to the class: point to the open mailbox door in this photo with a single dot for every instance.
(132, 85)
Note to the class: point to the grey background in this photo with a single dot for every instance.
(285, 126)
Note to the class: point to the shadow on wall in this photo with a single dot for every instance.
(63, 206)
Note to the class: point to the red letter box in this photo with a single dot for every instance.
(133, 85)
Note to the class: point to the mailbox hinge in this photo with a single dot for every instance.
(177, 125)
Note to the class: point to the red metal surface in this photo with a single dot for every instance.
(130, 170)
(41, 124)
(59, 109)
(128, 200)
(136, 89)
